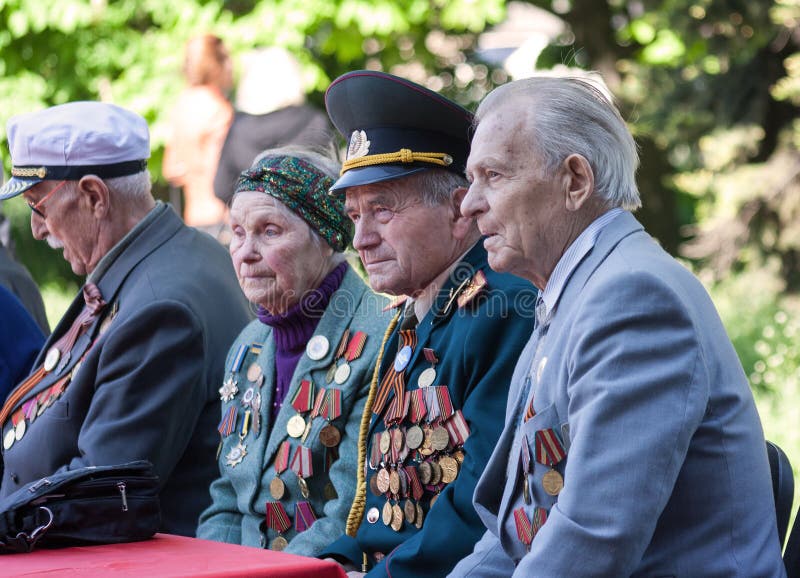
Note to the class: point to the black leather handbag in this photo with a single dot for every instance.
(91, 505)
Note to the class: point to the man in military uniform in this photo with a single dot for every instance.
(132, 370)
(433, 416)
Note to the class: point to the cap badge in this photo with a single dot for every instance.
(359, 145)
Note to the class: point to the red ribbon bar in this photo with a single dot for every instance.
(413, 479)
(549, 450)
(458, 428)
(282, 457)
(301, 462)
(445, 403)
(524, 529)
(418, 409)
(303, 396)
(332, 408)
(430, 356)
(356, 346)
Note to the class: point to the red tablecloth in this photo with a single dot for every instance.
(166, 556)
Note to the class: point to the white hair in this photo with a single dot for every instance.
(569, 115)
(133, 188)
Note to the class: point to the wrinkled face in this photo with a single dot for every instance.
(68, 224)
(516, 206)
(403, 243)
(276, 257)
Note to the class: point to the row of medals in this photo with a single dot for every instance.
(393, 480)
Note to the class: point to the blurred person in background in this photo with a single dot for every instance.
(197, 127)
(20, 341)
(132, 369)
(271, 111)
(297, 378)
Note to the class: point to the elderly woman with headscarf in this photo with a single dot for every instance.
(296, 378)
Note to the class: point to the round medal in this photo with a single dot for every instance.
(278, 544)
(329, 436)
(19, 431)
(236, 455)
(383, 480)
(331, 373)
(303, 486)
(398, 439)
(427, 377)
(552, 482)
(397, 518)
(342, 373)
(449, 469)
(51, 359)
(426, 448)
(410, 510)
(386, 442)
(414, 437)
(402, 358)
(439, 438)
(424, 470)
(248, 396)
(420, 517)
(386, 515)
(277, 488)
(296, 426)
(9, 439)
(394, 482)
(253, 372)
(459, 456)
(373, 515)
(373, 485)
(436, 473)
(317, 347)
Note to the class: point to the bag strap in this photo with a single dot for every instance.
(14, 538)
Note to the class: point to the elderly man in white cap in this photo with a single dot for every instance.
(131, 370)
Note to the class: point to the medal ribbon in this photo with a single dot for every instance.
(530, 412)
(342, 345)
(318, 403)
(301, 462)
(413, 480)
(432, 401)
(228, 422)
(524, 529)
(304, 516)
(29, 409)
(549, 450)
(241, 352)
(445, 403)
(539, 518)
(430, 356)
(245, 424)
(458, 428)
(255, 348)
(332, 408)
(303, 396)
(277, 518)
(356, 346)
(282, 459)
(394, 380)
(398, 408)
(418, 409)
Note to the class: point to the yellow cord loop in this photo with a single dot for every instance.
(360, 500)
(401, 156)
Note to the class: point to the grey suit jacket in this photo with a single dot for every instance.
(239, 496)
(147, 384)
(666, 472)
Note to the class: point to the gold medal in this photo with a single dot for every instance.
(459, 456)
(427, 377)
(420, 517)
(19, 431)
(373, 515)
(329, 436)
(526, 490)
(394, 482)
(424, 470)
(386, 515)
(449, 468)
(278, 544)
(9, 439)
(373, 485)
(414, 437)
(397, 518)
(386, 442)
(303, 486)
(436, 473)
(383, 480)
(277, 488)
(426, 448)
(439, 438)
(51, 359)
(296, 426)
(342, 373)
(410, 511)
(253, 372)
(552, 482)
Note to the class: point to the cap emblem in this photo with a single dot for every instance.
(359, 145)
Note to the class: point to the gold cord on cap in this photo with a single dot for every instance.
(401, 156)
(40, 172)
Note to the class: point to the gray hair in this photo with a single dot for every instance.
(435, 186)
(133, 188)
(571, 115)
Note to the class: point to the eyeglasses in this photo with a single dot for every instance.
(36, 207)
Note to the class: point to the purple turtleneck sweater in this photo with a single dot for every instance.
(294, 329)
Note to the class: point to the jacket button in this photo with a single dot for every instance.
(15, 478)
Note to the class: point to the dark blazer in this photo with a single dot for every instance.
(666, 470)
(477, 346)
(15, 278)
(151, 366)
(20, 341)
